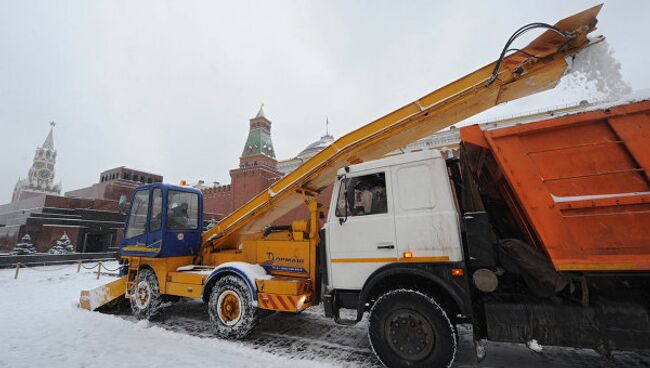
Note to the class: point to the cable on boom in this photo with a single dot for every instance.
(518, 33)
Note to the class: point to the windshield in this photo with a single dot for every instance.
(138, 215)
(182, 210)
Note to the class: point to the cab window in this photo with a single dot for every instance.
(138, 216)
(156, 210)
(182, 210)
(363, 195)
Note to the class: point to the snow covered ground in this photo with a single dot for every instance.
(41, 326)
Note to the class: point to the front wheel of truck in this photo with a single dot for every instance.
(231, 308)
(145, 297)
(410, 329)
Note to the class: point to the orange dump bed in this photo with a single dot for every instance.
(578, 186)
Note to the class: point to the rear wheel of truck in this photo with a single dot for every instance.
(231, 308)
(146, 299)
(410, 329)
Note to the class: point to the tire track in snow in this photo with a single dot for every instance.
(311, 336)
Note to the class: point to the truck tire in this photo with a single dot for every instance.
(410, 329)
(231, 308)
(146, 300)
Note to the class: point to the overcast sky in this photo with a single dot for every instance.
(168, 87)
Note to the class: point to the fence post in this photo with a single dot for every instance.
(99, 269)
(78, 266)
(17, 270)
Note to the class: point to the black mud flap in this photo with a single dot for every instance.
(612, 324)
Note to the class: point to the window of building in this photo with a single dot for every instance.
(138, 216)
(363, 195)
(156, 210)
(182, 210)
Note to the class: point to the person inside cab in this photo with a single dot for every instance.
(362, 199)
(379, 203)
(177, 216)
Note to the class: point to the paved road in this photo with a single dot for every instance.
(311, 336)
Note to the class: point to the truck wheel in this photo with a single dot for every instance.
(146, 300)
(231, 308)
(409, 329)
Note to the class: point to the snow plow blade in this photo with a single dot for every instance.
(101, 295)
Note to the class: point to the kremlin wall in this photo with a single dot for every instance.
(90, 217)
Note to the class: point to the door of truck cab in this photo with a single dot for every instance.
(360, 231)
(183, 221)
(142, 236)
(163, 221)
(426, 221)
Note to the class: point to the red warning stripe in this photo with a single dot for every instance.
(281, 300)
(287, 303)
(263, 301)
(271, 302)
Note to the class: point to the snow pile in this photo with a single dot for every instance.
(252, 271)
(42, 327)
(596, 71)
(534, 346)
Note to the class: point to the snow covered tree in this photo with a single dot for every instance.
(25, 246)
(62, 246)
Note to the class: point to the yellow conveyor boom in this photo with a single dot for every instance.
(535, 68)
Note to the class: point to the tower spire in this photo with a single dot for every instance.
(259, 136)
(49, 140)
(260, 113)
(327, 128)
(327, 125)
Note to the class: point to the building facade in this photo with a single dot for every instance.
(114, 183)
(88, 216)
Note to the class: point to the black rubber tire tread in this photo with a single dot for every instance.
(153, 309)
(249, 313)
(444, 350)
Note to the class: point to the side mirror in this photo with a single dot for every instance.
(344, 187)
(121, 204)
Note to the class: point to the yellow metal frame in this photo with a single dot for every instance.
(520, 75)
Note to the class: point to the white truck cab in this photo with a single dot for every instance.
(393, 242)
(396, 209)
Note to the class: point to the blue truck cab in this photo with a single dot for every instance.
(164, 221)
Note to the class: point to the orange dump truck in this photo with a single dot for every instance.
(557, 221)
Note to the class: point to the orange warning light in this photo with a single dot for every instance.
(457, 272)
(408, 255)
(183, 182)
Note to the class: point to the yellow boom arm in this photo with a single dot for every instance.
(537, 67)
